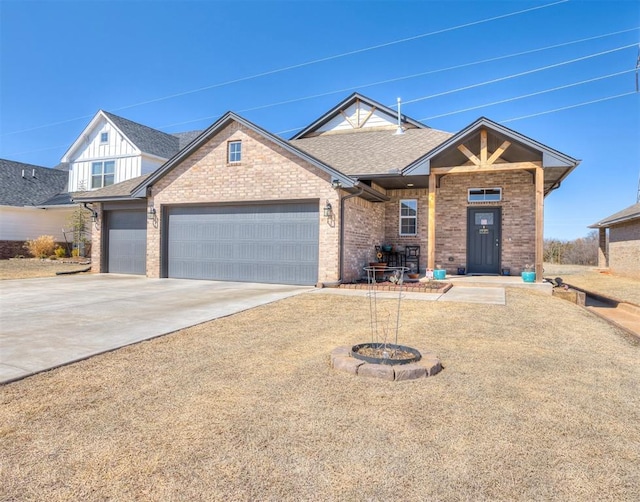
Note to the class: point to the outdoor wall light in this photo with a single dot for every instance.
(327, 210)
(94, 216)
(335, 184)
(151, 213)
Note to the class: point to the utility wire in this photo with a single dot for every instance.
(301, 65)
(526, 95)
(493, 81)
(405, 77)
(338, 56)
(515, 75)
(568, 107)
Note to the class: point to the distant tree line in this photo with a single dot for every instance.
(581, 251)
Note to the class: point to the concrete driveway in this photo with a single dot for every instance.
(49, 322)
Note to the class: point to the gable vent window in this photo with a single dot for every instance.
(485, 194)
(408, 217)
(102, 173)
(235, 152)
(104, 137)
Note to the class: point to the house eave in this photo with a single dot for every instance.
(112, 198)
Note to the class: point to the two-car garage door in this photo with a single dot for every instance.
(273, 243)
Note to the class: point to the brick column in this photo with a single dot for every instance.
(603, 256)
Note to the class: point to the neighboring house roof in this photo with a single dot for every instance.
(184, 138)
(29, 185)
(112, 192)
(147, 139)
(61, 199)
(63, 166)
(372, 152)
(624, 216)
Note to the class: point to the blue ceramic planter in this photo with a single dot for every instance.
(439, 274)
(528, 276)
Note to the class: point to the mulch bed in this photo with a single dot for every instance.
(411, 287)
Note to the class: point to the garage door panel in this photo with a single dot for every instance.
(127, 242)
(275, 243)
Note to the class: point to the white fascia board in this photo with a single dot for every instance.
(79, 140)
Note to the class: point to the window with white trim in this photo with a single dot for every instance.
(408, 217)
(104, 137)
(235, 152)
(485, 195)
(102, 173)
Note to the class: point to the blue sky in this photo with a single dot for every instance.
(178, 66)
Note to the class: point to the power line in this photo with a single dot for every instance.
(338, 56)
(568, 107)
(515, 75)
(523, 96)
(300, 65)
(405, 77)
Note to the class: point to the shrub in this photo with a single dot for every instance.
(41, 247)
(60, 252)
(75, 252)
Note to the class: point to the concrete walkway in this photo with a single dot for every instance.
(48, 322)
(623, 315)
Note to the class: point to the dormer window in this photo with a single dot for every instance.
(104, 137)
(235, 152)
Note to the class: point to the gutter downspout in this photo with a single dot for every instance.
(342, 225)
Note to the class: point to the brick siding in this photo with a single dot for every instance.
(12, 249)
(270, 173)
(364, 229)
(518, 217)
(624, 249)
(267, 173)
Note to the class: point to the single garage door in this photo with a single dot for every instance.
(273, 243)
(126, 242)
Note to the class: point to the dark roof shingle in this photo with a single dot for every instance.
(628, 214)
(146, 138)
(37, 186)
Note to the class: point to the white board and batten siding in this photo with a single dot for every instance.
(359, 115)
(126, 156)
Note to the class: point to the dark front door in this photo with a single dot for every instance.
(483, 240)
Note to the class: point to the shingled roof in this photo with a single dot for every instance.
(372, 152)
(628, 214)
(146, 138)
(30, 185)
(116, 191)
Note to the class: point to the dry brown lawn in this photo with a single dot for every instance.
(28, 268)
(538, 400)
(625, 289)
